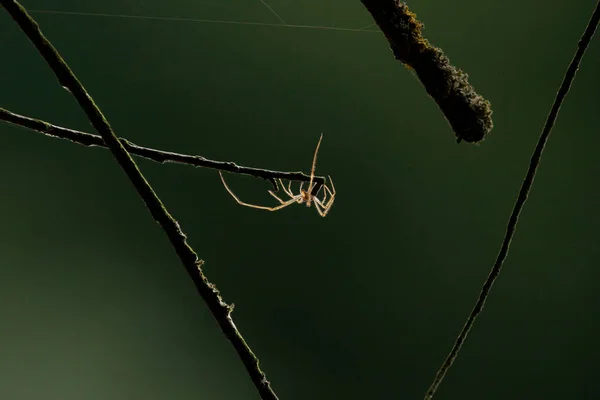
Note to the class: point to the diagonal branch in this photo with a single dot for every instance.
(90, 140)
(220, 310)
(469, 114)
(521, 199)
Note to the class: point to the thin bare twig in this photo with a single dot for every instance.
(220, 310)
(90, 140)
(523, 193)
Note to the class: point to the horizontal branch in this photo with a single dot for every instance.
(90, 140)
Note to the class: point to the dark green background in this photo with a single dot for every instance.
(364, 304)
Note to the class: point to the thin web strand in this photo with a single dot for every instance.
(365, 27)
(273, 11)
(198, 20)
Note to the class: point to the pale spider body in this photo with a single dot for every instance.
(322, 205)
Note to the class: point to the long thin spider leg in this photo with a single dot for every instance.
(332, 185)
(312, 170)
(328, 204)
(318, 206)
(326, 201)
(287, 190)
(295, 198)
(323, 189)
(279, 207)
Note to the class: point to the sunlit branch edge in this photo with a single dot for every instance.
(193, 265)
(521, 199)
(160, 156)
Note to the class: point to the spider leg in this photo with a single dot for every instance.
(326, 202)
(324, 193)
(332, 185)
(283, 204)
(318, 206)
(330, 202)
(287, 190)
(281, 201)
(322, 206)
(312, 172)
(325, 208)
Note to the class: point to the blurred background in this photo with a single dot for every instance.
(365, 303)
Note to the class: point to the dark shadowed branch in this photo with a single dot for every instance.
(522, 197)
(88, 139)
(220, 310)
(469, 114)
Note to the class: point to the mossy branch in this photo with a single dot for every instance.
(469, 114)
(521, 199)
(220, 310)
(160, 156)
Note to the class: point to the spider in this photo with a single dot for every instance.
(322, 205)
